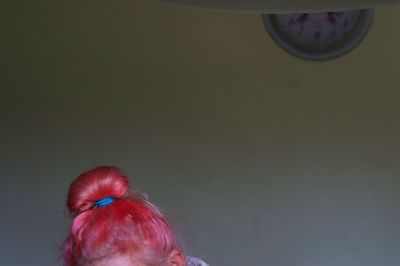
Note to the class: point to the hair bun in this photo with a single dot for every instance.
(94, 185)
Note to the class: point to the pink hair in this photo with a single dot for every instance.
(129, 225)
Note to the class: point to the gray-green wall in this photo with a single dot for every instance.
(259, 158)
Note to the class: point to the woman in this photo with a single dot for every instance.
(113, 226)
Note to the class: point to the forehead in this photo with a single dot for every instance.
(116, 260)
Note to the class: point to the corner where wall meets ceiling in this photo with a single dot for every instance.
(279, 6)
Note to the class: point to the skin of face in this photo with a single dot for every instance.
(175, 258)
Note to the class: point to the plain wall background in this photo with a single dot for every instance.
(259, 158)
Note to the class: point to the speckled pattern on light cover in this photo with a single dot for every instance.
(191, 261)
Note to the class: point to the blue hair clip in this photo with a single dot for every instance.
(104, 202)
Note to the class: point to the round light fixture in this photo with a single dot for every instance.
(319, 36)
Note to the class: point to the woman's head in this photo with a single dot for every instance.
(114, 226)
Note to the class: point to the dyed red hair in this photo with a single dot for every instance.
(130, 225)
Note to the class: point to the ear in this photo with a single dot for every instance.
(176, 258)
